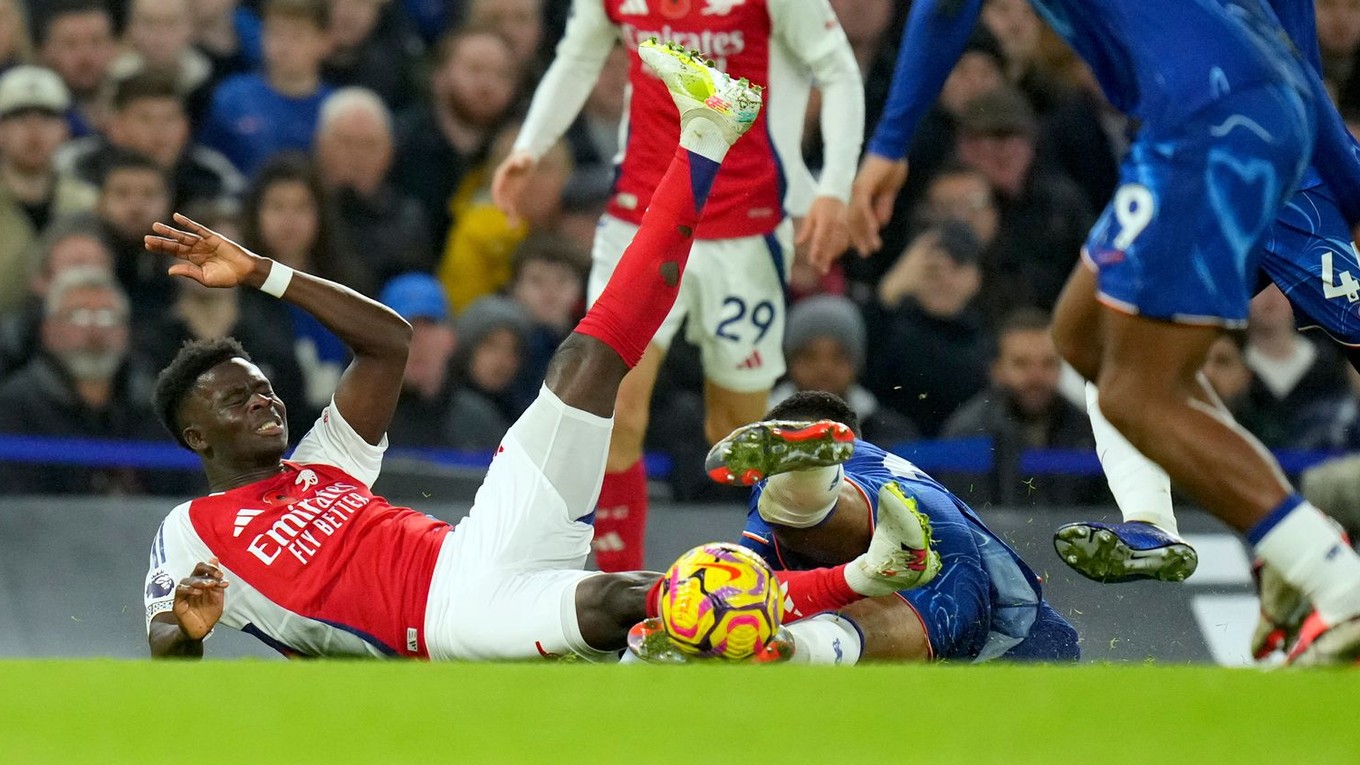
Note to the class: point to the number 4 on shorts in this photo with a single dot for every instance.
(1343, 284)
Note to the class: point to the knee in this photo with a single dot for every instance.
(608, 605)
(1126, 400)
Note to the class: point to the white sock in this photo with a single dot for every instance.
(1141, 488)
(702, 136)
(801, 498)
(1308, 551)
(826, 639)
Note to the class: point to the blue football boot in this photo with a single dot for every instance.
(1111, 553)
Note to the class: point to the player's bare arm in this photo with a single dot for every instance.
(199, 599)
(380, 339)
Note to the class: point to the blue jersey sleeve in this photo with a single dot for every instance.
(933, 41)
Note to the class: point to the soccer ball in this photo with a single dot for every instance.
(720, 600)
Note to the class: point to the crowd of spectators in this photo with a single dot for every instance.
(356, 139)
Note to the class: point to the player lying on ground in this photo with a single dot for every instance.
(819, 494)
(301, 554)
(1227, 129)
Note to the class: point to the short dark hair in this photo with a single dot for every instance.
(546, 247)
(318, 12)
(812, 405)
(145, 84)
(1027, 319)
(48, 16)
(126, 159)
(194, 358)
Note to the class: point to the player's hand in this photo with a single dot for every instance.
(510, 182)
(205, 256)
(871, 200)
(199, 598)
(823, 234)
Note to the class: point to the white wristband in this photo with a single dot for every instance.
(277, 281)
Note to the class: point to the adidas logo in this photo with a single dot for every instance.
(243, 518)
(633, 8)
(610, 542)
(754, 361)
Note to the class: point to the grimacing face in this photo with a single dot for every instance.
(232, 414)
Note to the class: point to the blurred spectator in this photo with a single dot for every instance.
(1044, 216)
(594, 138)
(1227, 371)
(204, 313)
(1071, 133)
(430, 17)
(75, 39)
(520, 22)
(930, 347)
(477, 255)
(286, 218)
(372, 46)
(66, 245)
(492, 334)
(1023, 410)
(148, 117)
(549, 281)
(825, 345)
(32, 192)
(1299, 385)
(254, 116)
(81, 384)
(354, 153)
(133, 194)
(229, 35)
(473, 87)
(423, 412)
(159, 38)
(1338, 30)
(16, 44)
(981, 69)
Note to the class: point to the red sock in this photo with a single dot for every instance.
(621, 520)
(806, 593)
(647, 279)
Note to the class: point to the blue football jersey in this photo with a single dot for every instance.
(985, 599)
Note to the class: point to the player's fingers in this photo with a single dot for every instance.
(883, 207)
(172, 233)
(194, 226)
(187, 269)
(160, 244)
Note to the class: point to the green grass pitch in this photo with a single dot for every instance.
(261, 712)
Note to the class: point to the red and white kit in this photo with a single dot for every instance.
(734, 284)
(320, 566)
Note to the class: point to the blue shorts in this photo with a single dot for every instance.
(1177, 241)
(1309, 255)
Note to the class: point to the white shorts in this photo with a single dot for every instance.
(733, 294)
(504, 586)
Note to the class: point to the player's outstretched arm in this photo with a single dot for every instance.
(199, 599)
(367, 393)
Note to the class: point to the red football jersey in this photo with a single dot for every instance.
(318, 565)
